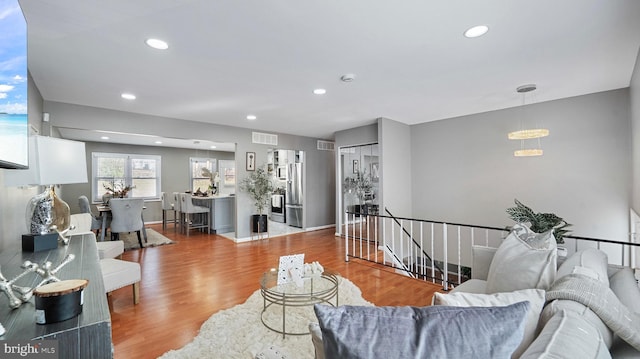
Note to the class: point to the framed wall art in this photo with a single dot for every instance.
(251, 161)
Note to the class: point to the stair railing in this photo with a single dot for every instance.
(440, 252)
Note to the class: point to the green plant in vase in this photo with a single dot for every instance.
(259, 186)
(539, 222)
(116, 190)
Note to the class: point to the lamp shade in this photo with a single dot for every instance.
(52, 161)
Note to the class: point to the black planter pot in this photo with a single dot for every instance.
(259, 223)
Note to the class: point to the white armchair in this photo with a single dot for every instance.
(81, 223)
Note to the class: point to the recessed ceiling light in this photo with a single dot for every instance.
(319, 91)
(157, 44)
(128, 96)
(476, 31)
(213, 147)
(251, 117)
(104, 137)
(158, 142)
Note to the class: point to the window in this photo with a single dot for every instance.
(117, 170)
(199, 177)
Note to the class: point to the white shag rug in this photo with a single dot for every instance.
(238, 332)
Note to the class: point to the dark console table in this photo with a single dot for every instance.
(86, 336)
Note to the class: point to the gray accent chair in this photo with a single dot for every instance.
(85, 207)
(195, 216)
(167, 205)
(127, 217)
(178, 209)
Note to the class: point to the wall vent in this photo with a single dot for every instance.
(264, 138)
(326, 145)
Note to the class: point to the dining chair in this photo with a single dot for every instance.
(178, 209)
(195, 216)
(85, 207)
(126, 217)
(167, 206)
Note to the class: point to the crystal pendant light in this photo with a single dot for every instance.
(527, 134)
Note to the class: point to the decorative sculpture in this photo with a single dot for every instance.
(40, 213)
(8, 287)
(48, 275)
(61, 235)
(313, 269)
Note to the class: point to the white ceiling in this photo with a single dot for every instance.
(228, 59)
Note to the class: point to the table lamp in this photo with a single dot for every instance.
(52, 161)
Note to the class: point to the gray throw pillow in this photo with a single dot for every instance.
(353, 332)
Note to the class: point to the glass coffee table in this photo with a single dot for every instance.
(315, 290)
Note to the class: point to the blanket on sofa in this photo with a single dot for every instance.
(601, 300)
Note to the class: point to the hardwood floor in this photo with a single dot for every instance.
(183, 284)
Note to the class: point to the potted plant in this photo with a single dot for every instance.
(260, 187)
(539, 222)
(115, 190)
(214, 179)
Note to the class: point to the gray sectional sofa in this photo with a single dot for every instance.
(576, 307)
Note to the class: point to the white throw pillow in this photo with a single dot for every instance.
(534, 296)
(524, 260)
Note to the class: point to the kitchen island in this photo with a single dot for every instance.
(222, 212)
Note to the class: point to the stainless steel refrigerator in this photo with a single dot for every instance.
(294, 198)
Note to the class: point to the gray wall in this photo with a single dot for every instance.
(319, 164)
(396, 167)
(464, 169)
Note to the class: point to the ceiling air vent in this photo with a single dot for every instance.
(264, 138)
(326, 145)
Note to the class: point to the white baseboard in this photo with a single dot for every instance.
(320, 227)
(245, 239)
(255, 238)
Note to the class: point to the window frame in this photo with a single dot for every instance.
(213, 168)
(96, 193)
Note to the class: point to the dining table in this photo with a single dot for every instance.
(105, 212)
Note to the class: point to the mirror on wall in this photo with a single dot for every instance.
(360, 178)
